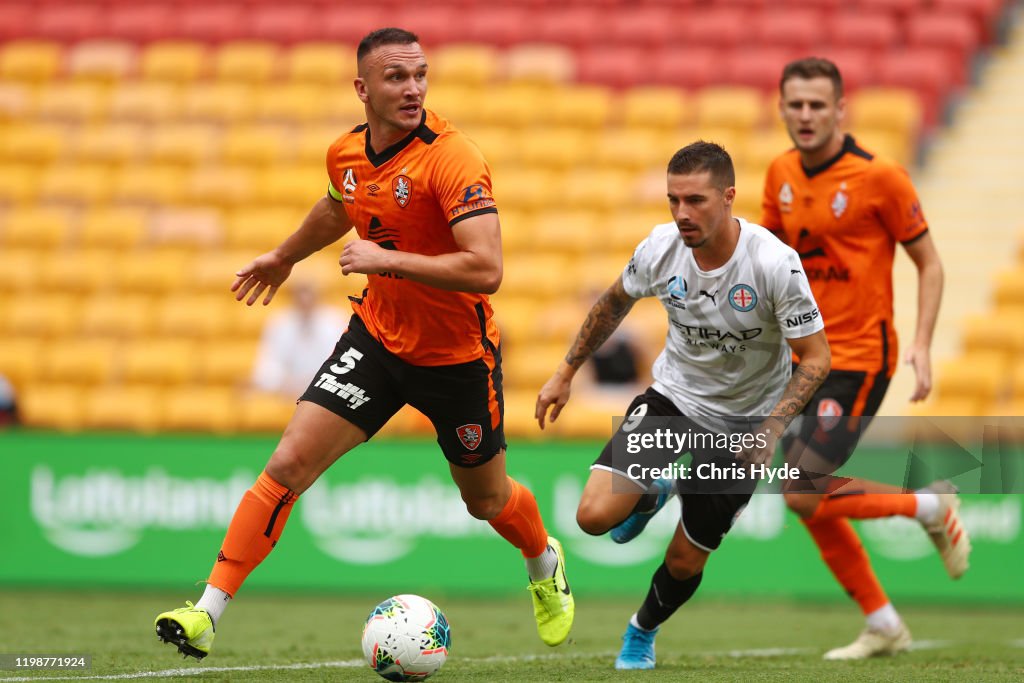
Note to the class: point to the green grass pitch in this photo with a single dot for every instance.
(316, 638)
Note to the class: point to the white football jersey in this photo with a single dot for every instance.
(725, 353)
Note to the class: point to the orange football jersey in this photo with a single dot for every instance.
(844, 218)
(408, 197)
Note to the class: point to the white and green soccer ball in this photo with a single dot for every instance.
(406, 638)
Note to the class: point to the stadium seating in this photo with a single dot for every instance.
(148, 150)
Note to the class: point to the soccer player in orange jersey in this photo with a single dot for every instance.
(844, 210)
(418, 193)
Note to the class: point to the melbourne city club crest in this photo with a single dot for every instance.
(470, 436)
(402, 187)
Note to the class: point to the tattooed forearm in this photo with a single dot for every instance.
(602, 320)
(807, 377)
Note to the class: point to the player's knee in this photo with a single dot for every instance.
(803, 504)
(288, 468)
(683, 565)
(485, 507)
(593, 519)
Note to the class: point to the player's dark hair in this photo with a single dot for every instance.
(384, 36)
(704, 156)
(813, 67)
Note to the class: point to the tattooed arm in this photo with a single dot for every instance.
(810, 372)
(603, 319)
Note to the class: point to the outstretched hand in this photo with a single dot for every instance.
(554, 394)
(267, 273)
(920, 359)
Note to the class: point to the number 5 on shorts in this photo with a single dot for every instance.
(348, 361)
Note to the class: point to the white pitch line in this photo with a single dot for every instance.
(358, 663)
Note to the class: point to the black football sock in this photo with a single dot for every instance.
(665, 597)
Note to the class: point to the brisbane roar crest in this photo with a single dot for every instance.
(470, 436)
(402, 187)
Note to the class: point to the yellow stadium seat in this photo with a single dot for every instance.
(41, 315)
(146, 102)
(265, 413)
(594, 275)
(299, 185)
(221, 102)
(895, 109)
(104, 61)
(967, 406)
(158, 361)
(226, 363)
(246, 61)
(223, 186)
(19, 183)
(539, 64)
(659, 108)
(19, 270)
(79, 271)
(762, 148)
(193, 316)
(17, 101)
(458, 103)
(37, 228)
(737, 107)
(178, 61)
(117, 316)
(294, 102)
(556, 147)
(471, 64)
(517, 317)
(1017, 381)
(19, 358)
(509, 105)
(733, 139)
(499, 148)
(531, 189)
(344, 108)
(887, 143)
(87, 184)
(214, 271)
(632, 148)
(113, 144)
(149, 184)
(193, 227)
(597, 188)
(535, 275)
(259, 229)
(154, 272)
(52, 406)
(519, 420)
(310, 146)
(527, 367)
(1008, 285)
(326, 63)
(72, 102)
(114, 228)
(137, 408)
(994, 333)
(516, 228)
(580, 106)
(247, 322)
(567, 231)
(632, 226)
(201, 409)
(79, 361)
(187, 143)
(980, 376)
(36, 143)
(30, 60)
(258, 145)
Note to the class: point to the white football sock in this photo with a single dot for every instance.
(885, 618)
(214, 601)
(543, 566)
(636, 624)
(927, 507)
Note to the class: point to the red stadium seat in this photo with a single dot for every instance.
(689, 67)
(501, 26)
(984, 12)
(798, 29)
(348, 24)
(69, 22)
(650, 27)
(716, 27)
(954, 32)
(926, 71)
(877, 30)
(16, 21)
(143, 23)
(572, 26)
(897, 8)
(211, 23)
(618, 67)
(433, 27)
(857, 65)
(284, 23)
(759, 68)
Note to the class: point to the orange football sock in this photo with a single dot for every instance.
(842, 551)
(520, 523)
(867, 505)
(253, 532)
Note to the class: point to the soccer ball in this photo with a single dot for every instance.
(406, 638)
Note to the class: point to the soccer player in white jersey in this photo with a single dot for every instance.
(738, 303)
